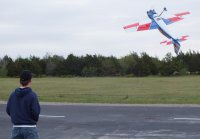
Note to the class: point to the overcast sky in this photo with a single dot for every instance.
(35, 27)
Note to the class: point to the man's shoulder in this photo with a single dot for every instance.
(13, 92)
(33, 93)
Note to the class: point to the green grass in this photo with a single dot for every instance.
(148, 90)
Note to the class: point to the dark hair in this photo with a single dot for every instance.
(25, 83)
(25, 77)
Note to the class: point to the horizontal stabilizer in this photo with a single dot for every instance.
(166, 42)
(183, 38)
(175, 42)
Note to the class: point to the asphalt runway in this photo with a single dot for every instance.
(79, 121)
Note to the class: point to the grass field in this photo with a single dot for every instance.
(151, 90)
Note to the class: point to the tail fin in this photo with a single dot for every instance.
(176, 46)
(175, 42)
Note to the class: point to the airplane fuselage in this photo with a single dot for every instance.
(162, 27)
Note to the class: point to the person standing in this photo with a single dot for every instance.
(23, 108)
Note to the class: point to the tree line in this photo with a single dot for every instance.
(134, 64)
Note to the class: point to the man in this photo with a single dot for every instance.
(24, 109)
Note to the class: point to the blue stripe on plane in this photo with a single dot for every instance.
(167, 21)
(153, 25)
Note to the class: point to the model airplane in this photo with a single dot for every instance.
(157, 22)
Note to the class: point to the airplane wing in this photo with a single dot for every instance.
(141, 27)
(152, 25)
(176, 18)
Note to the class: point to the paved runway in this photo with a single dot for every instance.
(113, 122)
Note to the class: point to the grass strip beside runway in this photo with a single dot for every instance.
(148, 90)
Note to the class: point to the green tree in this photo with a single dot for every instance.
(74, 65)
(128, 64)
(111, 66)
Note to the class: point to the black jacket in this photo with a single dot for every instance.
(23, 107)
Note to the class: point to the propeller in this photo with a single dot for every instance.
(164, 9)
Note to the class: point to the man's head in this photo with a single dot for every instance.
(25, 77)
